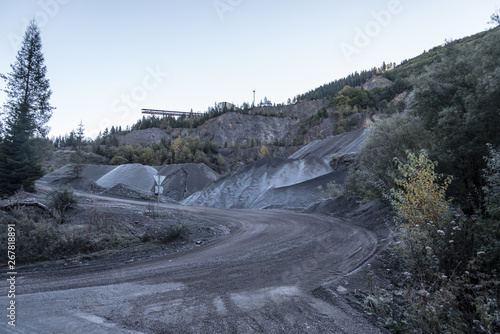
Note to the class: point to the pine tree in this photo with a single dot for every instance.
(27, 85)
(19, 167)
(77, 157)
(27, 111)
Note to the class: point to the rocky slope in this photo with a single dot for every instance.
(253, 186)
(286, 125)
(290, 183)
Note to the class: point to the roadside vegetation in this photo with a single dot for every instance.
(68, 230)
(333, 189)
(437, 165)
(60, 200)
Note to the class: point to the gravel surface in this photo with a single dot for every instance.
(263, 277)
(134, 175)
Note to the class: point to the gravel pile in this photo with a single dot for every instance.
(283, 183)
(185, 179)
(136, 180)
(135, 176)
(126, 191)
(250, 186)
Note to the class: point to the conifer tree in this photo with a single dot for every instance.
(77, 157)
(26, 114)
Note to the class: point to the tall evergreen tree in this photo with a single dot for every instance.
(18, 165)
(26, 114)
(77, 157)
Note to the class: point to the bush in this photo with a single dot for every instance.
(421, 205)
(458, 101)
(264, 152)
(165, 234)
(333, 189)
(352, 97)
(491, 175)
(452, 261)
(60, 200)
(388, 139)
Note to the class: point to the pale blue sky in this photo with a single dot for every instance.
(108, 59)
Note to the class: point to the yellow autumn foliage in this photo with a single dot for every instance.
(420, 201)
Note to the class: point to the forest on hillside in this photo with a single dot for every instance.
(437, 164)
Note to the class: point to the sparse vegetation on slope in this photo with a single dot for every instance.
(88, 232)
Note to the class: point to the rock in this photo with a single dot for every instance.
(377, 82)
(342, 291)
(333, 146)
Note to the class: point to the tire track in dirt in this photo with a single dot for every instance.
(257, 279)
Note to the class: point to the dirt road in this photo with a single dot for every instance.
(257, 279)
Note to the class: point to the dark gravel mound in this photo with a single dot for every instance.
(185, 179)
(298, 196)
(123, 190)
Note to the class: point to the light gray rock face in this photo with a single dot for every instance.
(344, 144)
(143, 137)
(239, 129)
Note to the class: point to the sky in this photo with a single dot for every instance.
(108, 59)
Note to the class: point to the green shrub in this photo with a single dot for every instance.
(333, 189)
(452, 260)
(61, 200)
(389, 138)
(491, 189)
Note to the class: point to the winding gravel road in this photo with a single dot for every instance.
(258, 279)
